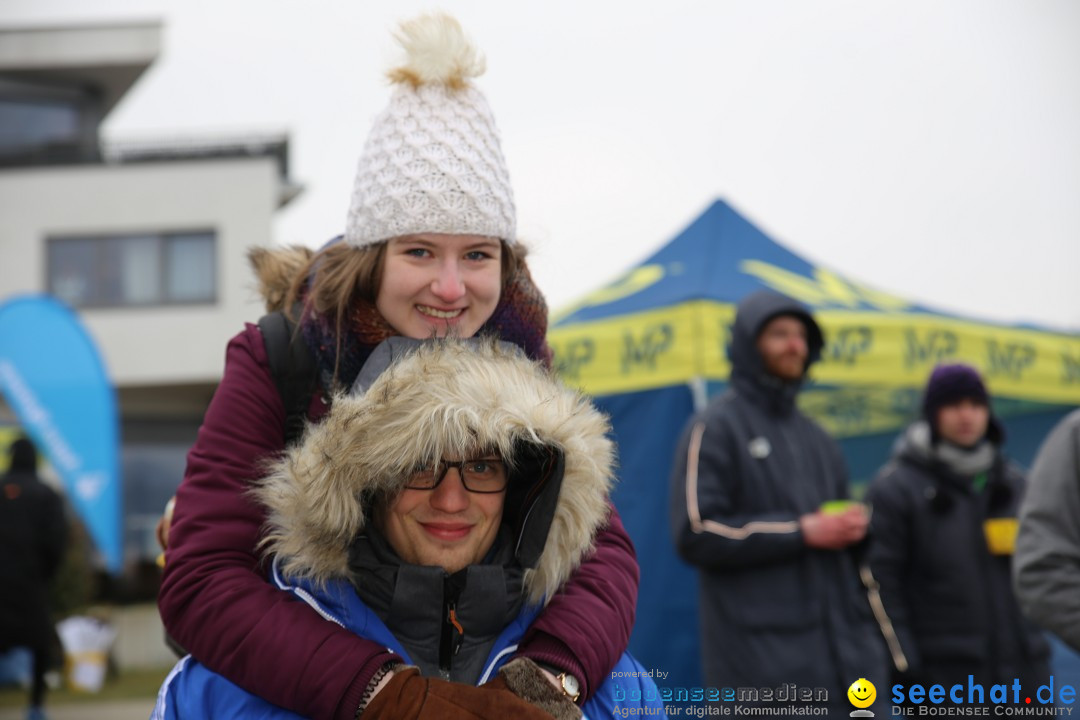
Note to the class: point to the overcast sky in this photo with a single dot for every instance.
(930, 148)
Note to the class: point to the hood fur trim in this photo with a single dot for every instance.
(446, 399)
(275, 269)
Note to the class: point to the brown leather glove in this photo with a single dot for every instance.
(525, 679)
(409, 696)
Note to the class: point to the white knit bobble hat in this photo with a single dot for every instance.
(433, 162)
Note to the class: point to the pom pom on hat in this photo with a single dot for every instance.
(433, 162)
(437, 52)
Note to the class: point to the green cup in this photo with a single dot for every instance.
(835, 507)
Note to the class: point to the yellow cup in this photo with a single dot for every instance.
(1001, 535)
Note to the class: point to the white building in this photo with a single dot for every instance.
(146, 241)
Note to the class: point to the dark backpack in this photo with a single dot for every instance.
(293, 368)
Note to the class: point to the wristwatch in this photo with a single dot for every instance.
(570, 686)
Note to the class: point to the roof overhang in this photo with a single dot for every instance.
(109, 58)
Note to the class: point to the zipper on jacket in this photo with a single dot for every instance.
(452, 633)
(873, 594)
(985, 562)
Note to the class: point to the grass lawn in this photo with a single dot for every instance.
(125, 685)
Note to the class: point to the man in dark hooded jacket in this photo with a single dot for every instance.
(759, 505)
(944, 532)
(33, 534)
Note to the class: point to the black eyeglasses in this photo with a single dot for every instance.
(484, 475)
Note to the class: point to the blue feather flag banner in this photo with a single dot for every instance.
(52, 376)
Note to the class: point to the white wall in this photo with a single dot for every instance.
(152, 345)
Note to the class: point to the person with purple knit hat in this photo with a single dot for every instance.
(942, 540)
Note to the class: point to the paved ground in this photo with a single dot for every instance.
(118, 710)
(1066, 669)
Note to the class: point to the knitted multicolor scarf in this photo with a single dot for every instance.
(519, 318)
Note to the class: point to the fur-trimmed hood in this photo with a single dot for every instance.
(447, 398)
(274, 270)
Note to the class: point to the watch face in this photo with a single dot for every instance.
(570, 684)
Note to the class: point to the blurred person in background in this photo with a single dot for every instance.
(429, 249)
(943, 535)
(760, 505)
(33, 537)
(1047, 563)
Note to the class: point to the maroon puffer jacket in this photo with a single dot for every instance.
(216, 602)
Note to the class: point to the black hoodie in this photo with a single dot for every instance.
(773, 611)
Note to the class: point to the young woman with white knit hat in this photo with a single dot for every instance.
(429, 250)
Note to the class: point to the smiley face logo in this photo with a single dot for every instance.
(862, 693)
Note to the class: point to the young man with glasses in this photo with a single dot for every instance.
(436, 513)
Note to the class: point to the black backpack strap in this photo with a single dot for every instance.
(293, 368)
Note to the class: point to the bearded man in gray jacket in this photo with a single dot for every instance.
(781, 597)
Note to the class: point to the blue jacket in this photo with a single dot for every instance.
(192, 690)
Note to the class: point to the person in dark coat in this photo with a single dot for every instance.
(781, 596)
(944, 528)
(33, 535)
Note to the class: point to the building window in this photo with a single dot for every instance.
(133, 270)
(42, 124)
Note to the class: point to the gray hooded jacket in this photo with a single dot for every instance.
(1047, 561)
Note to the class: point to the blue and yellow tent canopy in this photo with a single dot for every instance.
(652, 345)
(666, 323)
